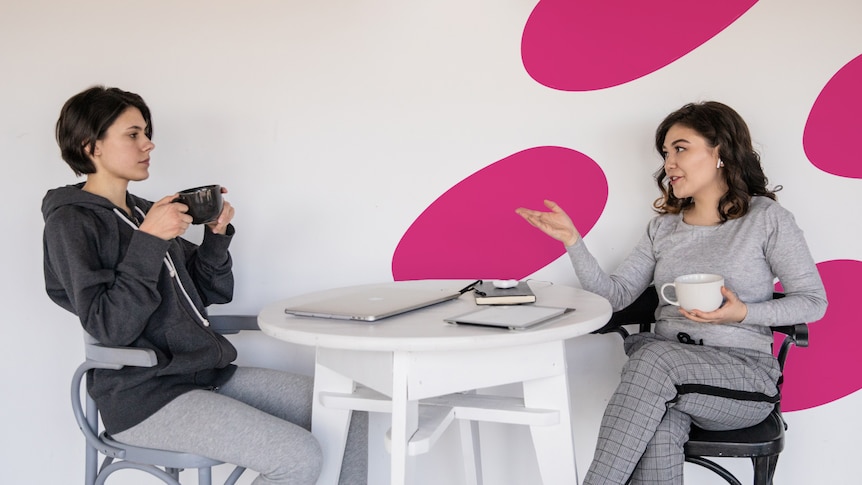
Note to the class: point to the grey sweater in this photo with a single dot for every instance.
(750, 252)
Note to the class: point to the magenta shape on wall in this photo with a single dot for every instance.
(834, 124)
(472, 230)
(584, 45)
(828, 369)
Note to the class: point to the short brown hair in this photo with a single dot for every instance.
(86, 117)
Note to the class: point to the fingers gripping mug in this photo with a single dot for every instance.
(205, 203)
(698, 291)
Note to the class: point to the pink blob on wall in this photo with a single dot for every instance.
(828, 369)
(834, 125)
(472, 230)
(584, 45)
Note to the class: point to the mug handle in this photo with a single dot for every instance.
(661, 292)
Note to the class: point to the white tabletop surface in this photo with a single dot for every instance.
(425, 329)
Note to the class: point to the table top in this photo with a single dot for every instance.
(425, 329)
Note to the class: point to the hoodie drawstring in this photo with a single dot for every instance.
(172, 269)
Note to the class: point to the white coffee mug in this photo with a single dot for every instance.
(698, 291)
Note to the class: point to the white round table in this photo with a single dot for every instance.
(417, 362)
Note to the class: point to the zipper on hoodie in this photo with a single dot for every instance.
(172, 269)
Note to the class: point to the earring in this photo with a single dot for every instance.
(719, 164)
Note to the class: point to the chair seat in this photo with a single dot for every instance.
(766, 438)
(170, 459)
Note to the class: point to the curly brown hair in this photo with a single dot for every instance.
(721, 126)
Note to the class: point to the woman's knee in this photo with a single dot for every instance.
(310, 462)
(673, 429)
(300, 463)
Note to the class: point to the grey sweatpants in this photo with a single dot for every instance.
(644, 429)
(259, 419)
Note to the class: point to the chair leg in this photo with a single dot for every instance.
(773, 465)
(91, 456)
(764, 469)
(714, 467)
(237, 472)
(205, 476)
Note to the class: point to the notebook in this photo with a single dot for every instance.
(513, 317)
(370, 304)
(488, 294)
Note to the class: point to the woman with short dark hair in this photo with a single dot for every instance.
(117, 261)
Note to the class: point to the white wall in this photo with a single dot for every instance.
(334, 124)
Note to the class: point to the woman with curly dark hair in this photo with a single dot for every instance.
(724, 129)
(716, 216)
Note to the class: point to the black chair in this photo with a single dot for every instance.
(164, 465)
(761, 443)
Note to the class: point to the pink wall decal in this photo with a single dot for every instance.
(829, 368)
(835, 125)
(584, 45)
(472, 230)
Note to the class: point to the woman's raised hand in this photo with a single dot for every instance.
(555, 223)
(227, 212)
(167, 219)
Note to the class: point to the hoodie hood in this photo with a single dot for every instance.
(75, 195)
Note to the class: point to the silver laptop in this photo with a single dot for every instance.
(370, 304)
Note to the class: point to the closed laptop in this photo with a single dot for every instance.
(372, 303)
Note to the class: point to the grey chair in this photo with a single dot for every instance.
(165, 465)
(761, 443)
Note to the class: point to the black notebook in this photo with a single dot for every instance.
(488, 294)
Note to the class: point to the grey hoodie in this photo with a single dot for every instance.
(130, 288)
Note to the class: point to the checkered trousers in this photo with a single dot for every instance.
(646, 422)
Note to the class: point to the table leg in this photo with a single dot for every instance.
(330, 425)
(378, 454)
(471, 452)
(555, 448)
(405, 418)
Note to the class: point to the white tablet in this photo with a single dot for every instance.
(513, 317)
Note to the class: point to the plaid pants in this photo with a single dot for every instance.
(646, 424)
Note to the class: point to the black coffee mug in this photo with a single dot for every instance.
(205, 203)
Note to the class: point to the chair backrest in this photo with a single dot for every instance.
(640, 312)
(84, 407)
